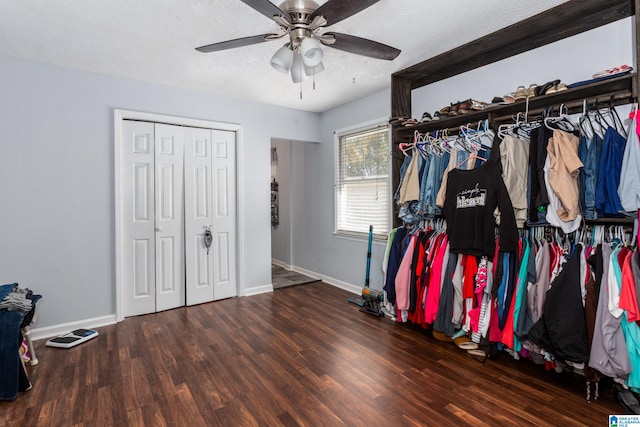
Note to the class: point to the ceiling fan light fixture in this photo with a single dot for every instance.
(297, 68)
(282, 59)
(310, 71)
(311, 51)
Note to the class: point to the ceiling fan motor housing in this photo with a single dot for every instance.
(299, 12)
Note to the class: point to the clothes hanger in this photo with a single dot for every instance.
(619, 126)
(440, 144)
(423, 147)
(404, 146)
(561, 122)
(584, 118)
(602, 118)
(506, 129)
(474, 155)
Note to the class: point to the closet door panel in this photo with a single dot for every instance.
(198, 214)
(138, 250)
(169, 230)
(224, 221)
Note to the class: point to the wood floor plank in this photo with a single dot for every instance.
(300, 356)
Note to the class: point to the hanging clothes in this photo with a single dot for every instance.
(395, 258)
(514, 157)
(410, 187)
(590, 153)
(435, 281)
(403, 277)
(629, 187)
(607, 199)
(519, 296)
(444, 318)
(562, 330)
(564, 169)
(538, 197)
(472, 197)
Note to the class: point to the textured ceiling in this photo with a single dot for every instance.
(154, 41)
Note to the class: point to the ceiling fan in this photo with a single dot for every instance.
(303, 21)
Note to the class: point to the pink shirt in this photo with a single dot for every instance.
(433, 292)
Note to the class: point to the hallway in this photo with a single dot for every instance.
(282, 278)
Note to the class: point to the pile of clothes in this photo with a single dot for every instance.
(17, 308)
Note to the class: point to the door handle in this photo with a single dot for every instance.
(159, 228)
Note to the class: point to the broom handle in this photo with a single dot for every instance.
(366, 280)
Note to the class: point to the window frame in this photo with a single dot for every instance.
(338, 134)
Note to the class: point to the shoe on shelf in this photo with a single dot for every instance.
(613, 71)
(465, 106)
(497, 100)
(544, 89)
(453, 110)
(557, 88)
(397, 120)
(531, 92)
(509, 98)
(521, 93)
(426, 117)
(478, 105)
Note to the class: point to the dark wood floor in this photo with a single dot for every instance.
(299, 356)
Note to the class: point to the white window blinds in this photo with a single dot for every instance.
(362, 184)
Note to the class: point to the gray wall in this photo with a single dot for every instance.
(339, 260)
(57, 178)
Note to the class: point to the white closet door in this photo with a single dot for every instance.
(224, 214)
(198, 214)
(138, 222)
(169, 208)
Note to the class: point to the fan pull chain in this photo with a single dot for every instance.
(301, 74)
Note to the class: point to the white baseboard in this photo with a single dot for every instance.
(280, 264)
(258, 290)
(330, 280)
(63, 328)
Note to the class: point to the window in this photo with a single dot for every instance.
(362, 181)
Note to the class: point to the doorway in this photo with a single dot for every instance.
(175, 212)
(287, 160)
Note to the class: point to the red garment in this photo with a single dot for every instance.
(469, 270)
(474, 314)
(508, 330)
(496, 256)
(628, 295)
(553, 253)
(495, 335)
(622, 255)
(417, 316)
(435, 283)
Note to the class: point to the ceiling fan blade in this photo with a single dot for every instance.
(230, 44)
(265, 7)
(337, 10)
(361, 46)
